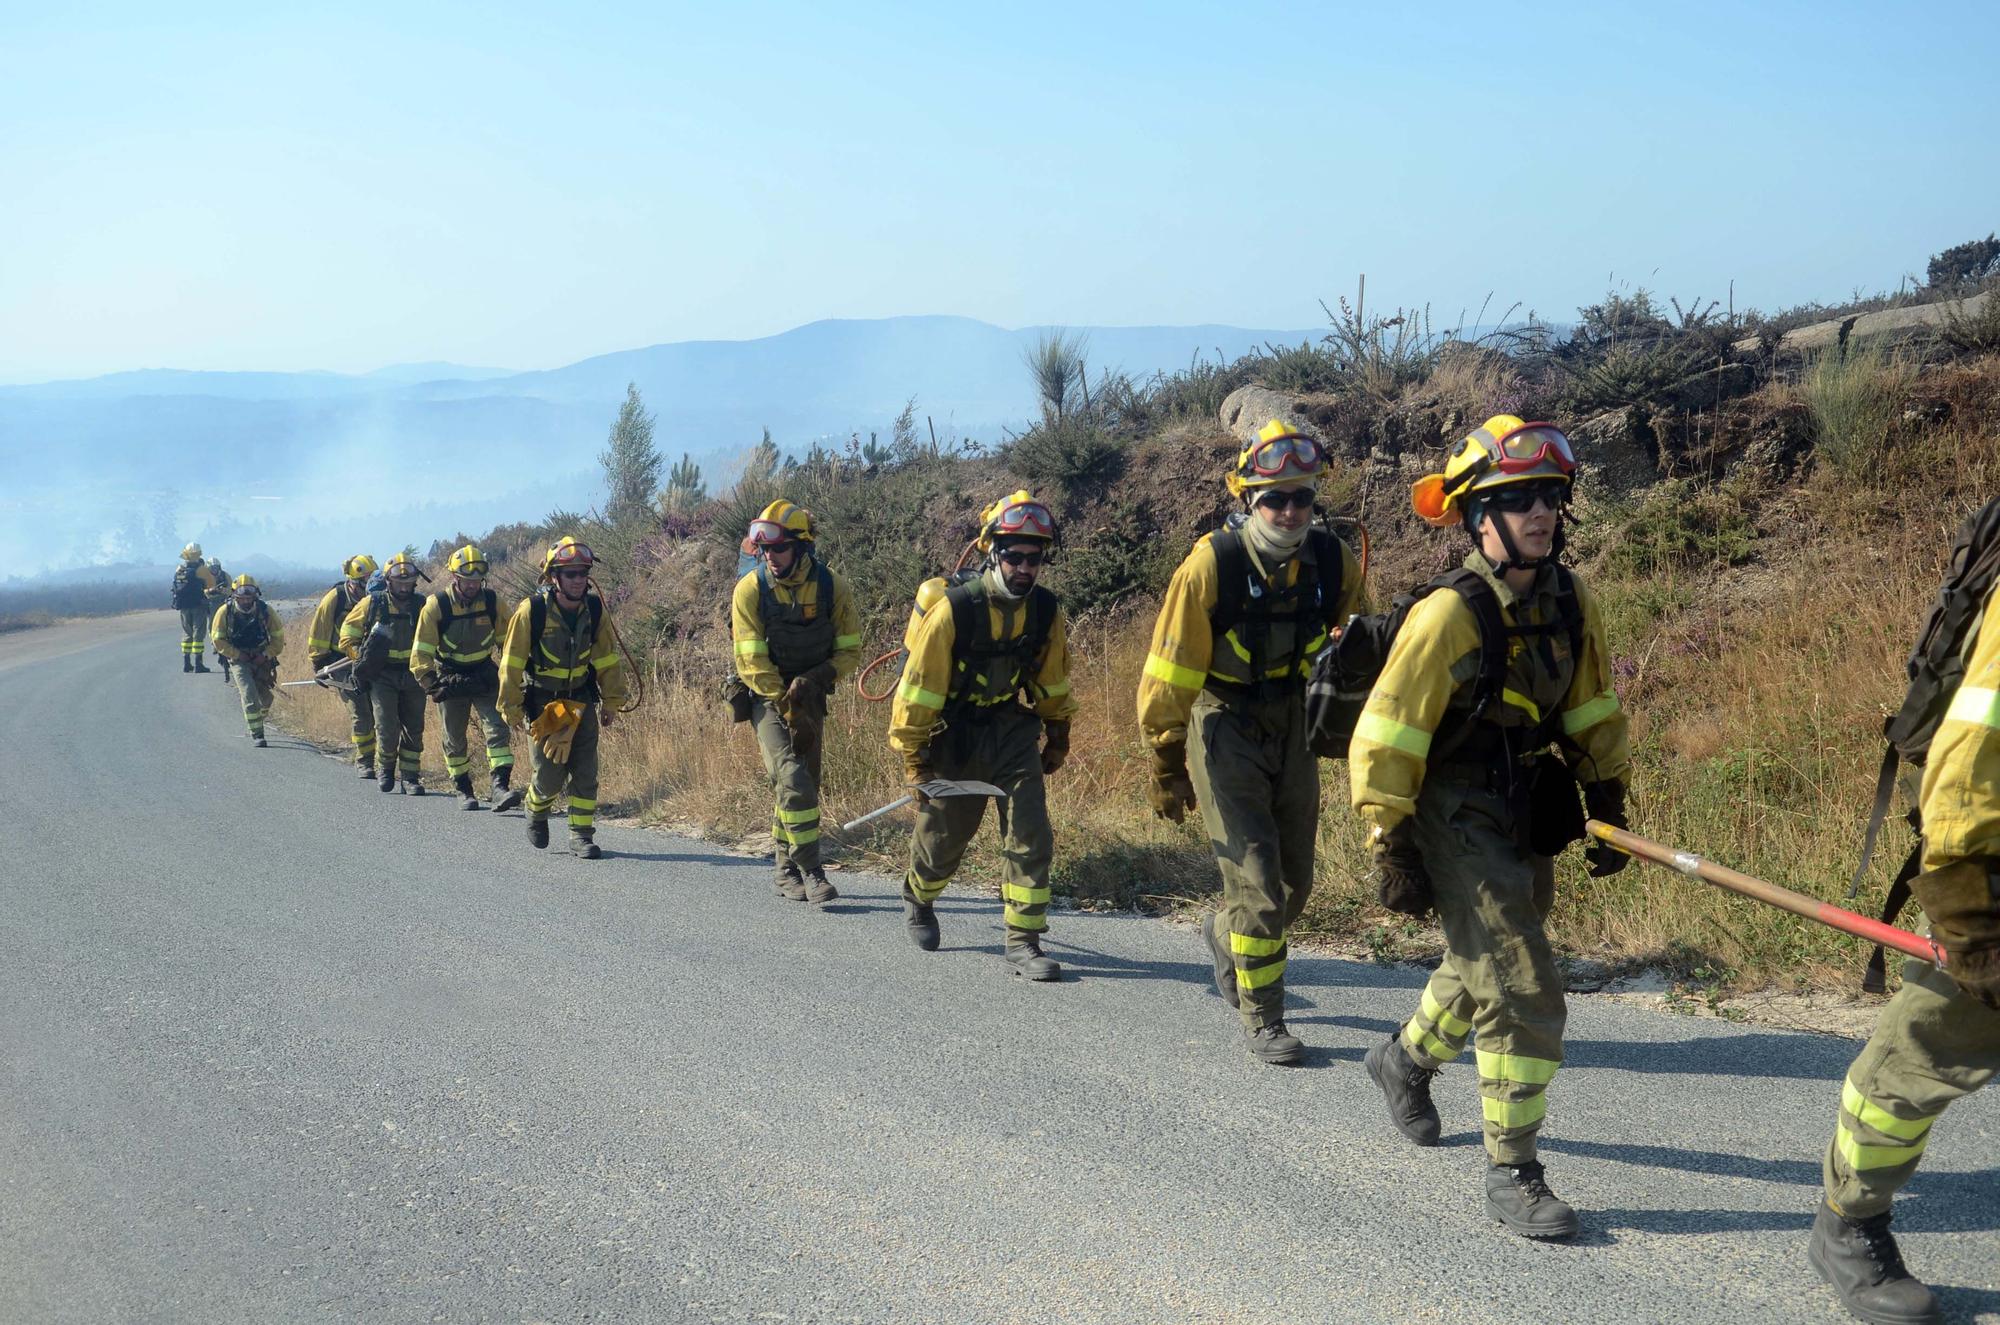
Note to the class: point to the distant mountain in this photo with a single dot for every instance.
(304, 464)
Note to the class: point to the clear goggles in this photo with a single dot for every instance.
(766, 534)
(1534, 444)
(1029, 519)
(401, 570)
(471, 570)
(1298, 455)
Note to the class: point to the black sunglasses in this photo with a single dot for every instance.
(1021, 557)
(1520, 498)
(1303, 498)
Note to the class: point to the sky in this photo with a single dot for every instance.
(267, 186)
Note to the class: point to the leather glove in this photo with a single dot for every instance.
(321, 661)
(917, 771)
(1171, 794)
(431, 682)
(1402, 884)
(804, 689)
(1055, 748)
(604, 718)
(513, 716)
(1605, 802)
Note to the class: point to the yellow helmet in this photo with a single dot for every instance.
(243, 584)
(567, 551)
(468, 561)
(780, 522)
(358, 568)
(192, 552)
(1281, 454)
(1500, 451)
(402, 566)
(1016, 515)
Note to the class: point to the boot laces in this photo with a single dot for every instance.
(1880, 1245)
(1529, 1178)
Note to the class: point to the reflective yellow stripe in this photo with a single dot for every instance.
(1515, 1113)
(1229, 637)
(426, 649)
(1860, 1157)
(810, 816)
(1516, 1068)
(925, 892)
(578, 803)
(1975, 704)
(1019, 921)
(1249, 946)
(748, 647)
(1521, 701)
(1590, 714)
(1435, 1013)
(1256, 977)
(399, 655)
(1055, 691)
(846, 641)
(1427, 1044)
(798, 837)
(1165, 669)
(1396, 735)
(1026, 896)
(516, 660)
(912, 693)
(1879, 1118)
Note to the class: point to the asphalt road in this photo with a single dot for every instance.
(274, 1046)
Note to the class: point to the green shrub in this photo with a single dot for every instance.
(1976, 332)
(1681, 525)
(1632, 374)
(1074, 454)
(1854, 394)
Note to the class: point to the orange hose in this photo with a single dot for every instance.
(861, 680)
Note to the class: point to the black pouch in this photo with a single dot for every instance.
(737, 696)
(1555, 807)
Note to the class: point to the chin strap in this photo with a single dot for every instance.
(1515, 561)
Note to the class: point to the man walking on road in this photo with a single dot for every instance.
(985, 696)
(453, 663)
(380, 633)
(248, 632)
(1450, 768)
(560, 672)
(217, 596)
(1235, 640)
(193, 582)
(323, 642)
(796, 636)
(1938, 1040)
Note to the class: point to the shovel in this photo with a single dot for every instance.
(934, 789)
(335, 675)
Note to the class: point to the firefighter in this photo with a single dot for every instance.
(380, 634)
(985, 695)
(193, 582)
(217, 596)
(796, 638)
(249, 633)
(1461, 798)
(1938, 1040)
(560, 671)
(1238, 629)
(453, 664)
(323, 643)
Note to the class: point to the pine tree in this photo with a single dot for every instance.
(631, 463)
(762, 462)
(684, 490)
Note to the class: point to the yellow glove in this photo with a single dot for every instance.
(556, 727)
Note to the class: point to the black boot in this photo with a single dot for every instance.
(503, 782)
(1218, 953)
(199, 664)
(387, 781)
(1272, 1043)
(791, 884)
(1859, 1257)
(584, 847)
(1518, 1196)
(1407, 1087)
(819, 888)
(367, 772)
(225, 668)
(921, 922)
(466, 799)
(1025, 959)
(538, 833)
(187, 661)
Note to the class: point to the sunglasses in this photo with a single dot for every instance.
(1520, 498)
(1303, 498)
(572, 572)
(1023, 556)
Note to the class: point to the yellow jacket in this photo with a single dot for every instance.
(931, 674)
(226, 615)
(1960, 793)
(323, 637)
(1431, 669)
(797, 595)
(563, 661)
(468, 641)
(1183, 651)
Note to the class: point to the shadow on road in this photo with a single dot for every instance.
(1762, 1055)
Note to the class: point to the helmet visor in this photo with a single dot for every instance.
(1299, 456)
(1028, 519)
(1533, 444)
(401, 570)
(471, 570)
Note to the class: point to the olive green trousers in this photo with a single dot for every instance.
(578, 774)
(792, 762)
(455, 715)
(1002, 747)
(399, 721)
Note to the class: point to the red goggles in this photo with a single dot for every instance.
(1029, 519)
(1533, 444)
(767, 533)
(572, 554)
(1301, 455)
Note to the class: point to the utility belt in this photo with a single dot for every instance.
(1238, 696)
(536, 698)
(480, 680)
(1543, 805)
(965, 713)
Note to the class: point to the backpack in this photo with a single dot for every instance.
(188, 590)
(1936, 668)
(1314, 599)
(1346, 670)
